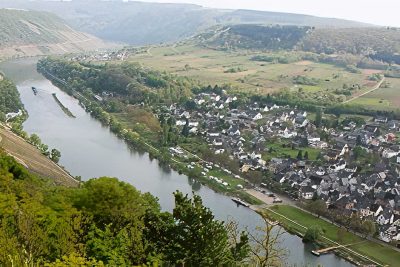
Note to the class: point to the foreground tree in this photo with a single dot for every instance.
(191, 236)
(266, 250)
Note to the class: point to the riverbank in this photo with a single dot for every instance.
(162, 154)
(296, 221)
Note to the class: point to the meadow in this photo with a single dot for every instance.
(239, 70)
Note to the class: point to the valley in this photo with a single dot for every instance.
(151, 134)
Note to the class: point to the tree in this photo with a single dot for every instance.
(300, 155)
(368, 228)
(185, 130)
(199, 239)
(266, 248)
(55, 155)
(306, 155)
(75, 260)
(239, 240)
(255, 177)
(312, 234)
(35, 140)
(318, 207)
(318, 118)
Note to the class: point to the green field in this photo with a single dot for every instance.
(376, 251)
(278, 151)
(210, 66)
(383, 98)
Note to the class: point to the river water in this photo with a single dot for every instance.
(89, 150)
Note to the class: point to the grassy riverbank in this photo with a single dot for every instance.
(296, 220)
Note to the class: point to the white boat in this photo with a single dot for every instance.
(240, 202)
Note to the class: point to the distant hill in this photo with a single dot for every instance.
(36, 33)
(378, 43)
(141, 23)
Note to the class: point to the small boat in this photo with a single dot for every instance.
(34, 90)
(316, 253)
(240, 202)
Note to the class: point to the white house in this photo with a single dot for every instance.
(193, 123)
(258, 116)
(12, 115)
(180, 122)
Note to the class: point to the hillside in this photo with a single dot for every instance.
(33, 159)
(37, 33)
(377, 43)
(141, 23)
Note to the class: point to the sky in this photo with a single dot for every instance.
(379, 12)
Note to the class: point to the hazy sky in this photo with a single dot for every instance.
(381, 12)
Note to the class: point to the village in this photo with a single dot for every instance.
(352, 165)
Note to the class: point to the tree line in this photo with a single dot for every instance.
(9, 98)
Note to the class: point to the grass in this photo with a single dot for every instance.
(382, 98)
(210, 66)
(141, 121)
(376, 251)
(280, 152)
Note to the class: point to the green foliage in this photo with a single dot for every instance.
(246, 36)
(312, 234)
(105, 222)
(317, 207)
(304, 80)
(9, 98)
(55, 155)
(135, 83)
(380, 44)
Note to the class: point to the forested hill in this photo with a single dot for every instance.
(248, 36)
(378, 43)
(34, 33)
(141, 23)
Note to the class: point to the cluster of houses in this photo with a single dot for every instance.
(243, 133)
(119, 55)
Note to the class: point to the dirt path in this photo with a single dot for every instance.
(376, 87)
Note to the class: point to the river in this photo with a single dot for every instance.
(90, 150)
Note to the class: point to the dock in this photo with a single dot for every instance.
(320, 252)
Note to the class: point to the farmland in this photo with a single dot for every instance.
(215, 67)
(387, 98)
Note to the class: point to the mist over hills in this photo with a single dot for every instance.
(139, 23)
